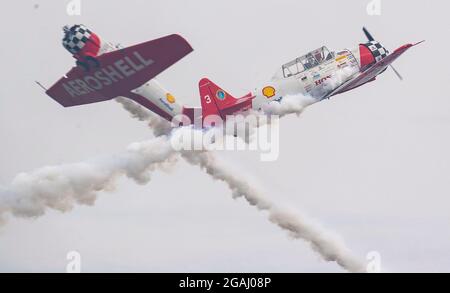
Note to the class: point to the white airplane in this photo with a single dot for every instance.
(104, 72)
(313, 77)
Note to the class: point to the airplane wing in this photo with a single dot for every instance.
(370, 73)
(119, 72)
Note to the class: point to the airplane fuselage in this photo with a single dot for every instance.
(312, 84)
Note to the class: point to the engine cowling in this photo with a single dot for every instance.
(81, 42)
(370, 53)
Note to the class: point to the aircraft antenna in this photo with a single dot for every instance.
(39, 84)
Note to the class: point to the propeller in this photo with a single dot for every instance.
(396, 72)
(368, 35)
(370, 38)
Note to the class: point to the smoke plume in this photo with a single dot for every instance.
(326, 244)
(61, 187)
(290, 104)
(158, 125)
(329, 247)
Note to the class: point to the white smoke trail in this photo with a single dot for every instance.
(336, 79)
(158, 125)
(245, 125)
(327, 245)
(324, 243)
(61, 187)
(290, 104)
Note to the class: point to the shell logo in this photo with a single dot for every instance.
(170, 98)
(269, 91)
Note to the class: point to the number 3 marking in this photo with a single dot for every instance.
(208, 99)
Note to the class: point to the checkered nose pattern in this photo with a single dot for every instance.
(76, 38)
(378, 51)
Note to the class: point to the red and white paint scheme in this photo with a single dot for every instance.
(104, 72)
(313, 77)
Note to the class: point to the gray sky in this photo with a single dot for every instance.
(371, 165)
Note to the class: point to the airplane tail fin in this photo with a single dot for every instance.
(213, 97)
(216, 101)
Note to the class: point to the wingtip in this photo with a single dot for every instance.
(182, 39)
(418, 43)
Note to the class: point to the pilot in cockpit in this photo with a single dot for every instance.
(319, 56)
(310, 62)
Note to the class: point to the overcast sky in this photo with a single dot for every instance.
(372, 165)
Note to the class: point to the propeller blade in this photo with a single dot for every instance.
(396, 72)
(370, 38)
(368, 35)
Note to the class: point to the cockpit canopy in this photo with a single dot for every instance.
(306, 62)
